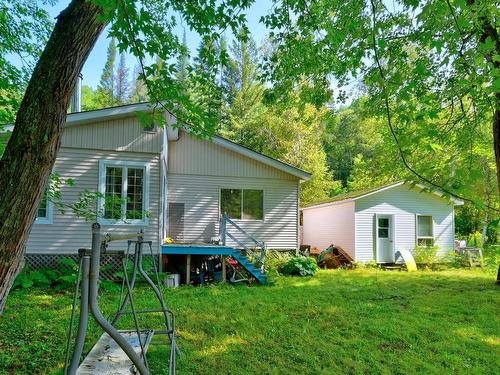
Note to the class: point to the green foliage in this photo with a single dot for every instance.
(438, 94)
(107, 85)
(300, 266)
(24, 28)
(62, 277)
(425, 255)
(276, 260)
(456, 260)
(475, 239)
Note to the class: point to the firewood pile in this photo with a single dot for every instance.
(334, 257)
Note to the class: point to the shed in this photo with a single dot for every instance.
(373, 224)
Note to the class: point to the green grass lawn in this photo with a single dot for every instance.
(363, 321)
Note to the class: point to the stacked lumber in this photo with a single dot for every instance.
(334, 257)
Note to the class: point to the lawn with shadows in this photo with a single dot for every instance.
(340, 321)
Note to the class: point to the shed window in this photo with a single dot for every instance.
(425, 233)
(125, 191)
(383, 227)
(246, 204)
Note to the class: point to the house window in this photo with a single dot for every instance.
(152, 127)
(124, 186)
(246, 204)
(43, 208)
(44, 212)
(425, 233)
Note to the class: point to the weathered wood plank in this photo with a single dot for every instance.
(107, 358)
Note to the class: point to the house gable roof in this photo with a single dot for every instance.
(355, 195)
(79, 118)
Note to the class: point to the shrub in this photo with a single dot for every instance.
(457, 260)
(276, 260)
(60, 278)
(425, 254)
(300, 266)
(475, 240)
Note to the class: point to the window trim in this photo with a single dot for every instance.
(247, 188)
(49, 219)
(102, 189)
(417, 236)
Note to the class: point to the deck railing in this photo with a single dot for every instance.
(227, 222)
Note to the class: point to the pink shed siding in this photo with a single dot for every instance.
(332, 224)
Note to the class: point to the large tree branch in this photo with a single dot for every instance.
(32, 149)
(389, 117)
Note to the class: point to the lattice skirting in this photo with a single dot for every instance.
(110, 265)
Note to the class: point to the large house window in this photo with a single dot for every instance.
(124, 186)
(246, 204)
(425, 233)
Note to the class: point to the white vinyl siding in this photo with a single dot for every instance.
(199, 169)
(200, 195)
(69, 233)
(123, 134)
(193, 156)
(405, 203)
(327, 225)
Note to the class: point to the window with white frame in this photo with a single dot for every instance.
(425, 231)
(124, 186)
(246, 204)
(44, 211)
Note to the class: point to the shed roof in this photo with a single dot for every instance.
(355, 195)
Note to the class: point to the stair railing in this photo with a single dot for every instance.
(225, 220)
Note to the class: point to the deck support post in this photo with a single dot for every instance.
(223, 268)
(188, 269)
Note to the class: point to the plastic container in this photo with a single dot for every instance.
(172, 280)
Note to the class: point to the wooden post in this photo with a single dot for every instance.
(188, 269)
(223, 268)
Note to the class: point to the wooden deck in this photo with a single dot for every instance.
(196, 249)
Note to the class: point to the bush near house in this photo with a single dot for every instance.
(425, 255)
(300, 266)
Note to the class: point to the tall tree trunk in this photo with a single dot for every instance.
(496, 137)
(31, 151)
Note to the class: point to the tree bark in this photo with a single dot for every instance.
(496, 138)
(31, 152)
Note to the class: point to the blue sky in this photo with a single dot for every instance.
(93, 67)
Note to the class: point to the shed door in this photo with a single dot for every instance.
(384, 236)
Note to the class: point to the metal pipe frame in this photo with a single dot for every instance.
(94, 306)
(84, 316)
(90, 264)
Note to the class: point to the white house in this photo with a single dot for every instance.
(373, 224)
(174, 184)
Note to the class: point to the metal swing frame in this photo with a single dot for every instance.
(88, 281)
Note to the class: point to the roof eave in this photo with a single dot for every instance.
(328, 204)
(85, 117)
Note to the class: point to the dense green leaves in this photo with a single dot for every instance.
(24, 29)
(428, 66)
